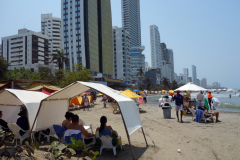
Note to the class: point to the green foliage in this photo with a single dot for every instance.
(60, 58)
(21, 73)
(140, 72)
(3, 67)
(174, 85)
(165, 83)
(9, 151)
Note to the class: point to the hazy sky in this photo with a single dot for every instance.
(204, 33)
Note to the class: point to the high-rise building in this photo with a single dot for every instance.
(189, 79)
(122, 65)
(86, 34)
(147, 67)
(198, 82)
(204, 83)
(51, 27)
(171, 60)
(194, 74)
(155, 47)
(185, 75)
(215, 85)
(26, 49)
(131, 20)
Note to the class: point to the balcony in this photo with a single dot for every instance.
(17, 49)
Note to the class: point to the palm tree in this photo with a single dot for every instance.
(165, 83)
(140, 72)
(60, 57)
(148, 83)
(174, 85)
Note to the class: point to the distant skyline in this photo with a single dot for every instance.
(201, 33)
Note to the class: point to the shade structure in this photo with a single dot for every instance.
(54, 107)
(12, 99)
(130, 94)
(190, 87)
(136, 90)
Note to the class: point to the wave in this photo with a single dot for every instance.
(228, 105)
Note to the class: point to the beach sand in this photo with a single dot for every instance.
(219, 141)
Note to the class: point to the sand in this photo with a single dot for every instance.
(165, 136)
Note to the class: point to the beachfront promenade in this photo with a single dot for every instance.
(165, 136)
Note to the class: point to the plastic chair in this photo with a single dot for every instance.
(115, 107)
(193, 113)
(107, 142)
(59, 130)
(15, 129)
(86, 126)
(76, 106)
(51, 133)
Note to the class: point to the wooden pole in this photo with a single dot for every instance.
(127, 133)
(144, 137)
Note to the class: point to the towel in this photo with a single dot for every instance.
(72, 133)
(59, 130)
(106, 132)
(199, 115)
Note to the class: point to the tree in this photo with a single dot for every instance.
(79, 73)
(61, 59)
(140, 72)
(3, 67)
(165, 83)
(44, 73)
(148, 83)
(21, 73)
(174, 85)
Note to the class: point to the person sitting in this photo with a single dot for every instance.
(22, 121)
(3, 123)
(68, 120)
(215, 113)
(75, 125)
(104, 129)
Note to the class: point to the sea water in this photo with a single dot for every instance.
(226, 103)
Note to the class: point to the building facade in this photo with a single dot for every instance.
(154, 75)
(185, 75)
(204, 83)
(194, 74)
(26, 49)
(87, 34)
(51, 27)
(121, 45)
(131, 20)
(198, 82)
(147, 67)
(155, 47)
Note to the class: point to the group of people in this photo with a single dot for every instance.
(22, 121)
(179, 103)
(72, 122)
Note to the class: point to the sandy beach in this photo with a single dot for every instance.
(165, 136)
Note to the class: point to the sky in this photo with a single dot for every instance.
(203, 33)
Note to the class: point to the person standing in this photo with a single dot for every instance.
(230, 96)
(178, 98)
(104, 99)
(210, 100)
(200, 99)
(86, 101)
(144, 95)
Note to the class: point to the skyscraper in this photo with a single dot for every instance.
(51, 27)
(131, 20)
(155, 47)
(204, 83)
(194, 74)
(87, 34)
(185, 75)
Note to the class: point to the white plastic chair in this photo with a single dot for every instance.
(193, 113)
(86, 126)
(115, 107)
(15, 129)
(208, 116)
(107, 143)
(76, 106)
(52, 132)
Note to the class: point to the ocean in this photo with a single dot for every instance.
(226, 103)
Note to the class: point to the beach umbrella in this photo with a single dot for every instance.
(190, 87)
(131, 94)
(136, 90)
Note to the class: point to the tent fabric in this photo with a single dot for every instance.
(37, 86)
(53, 108)
(12, 99)
(190, 87)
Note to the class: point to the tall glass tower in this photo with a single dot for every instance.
(131, 20)
(86, 34)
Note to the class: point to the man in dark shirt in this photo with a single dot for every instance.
(178, 98)
(22, 121)
(3, 123)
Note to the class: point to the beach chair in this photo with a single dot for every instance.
(206, 116)
(76, 106)
(115, 107)
(51, 133)
(193, 113)
(107, 142)
(77, 135)
(86, 126)
(15, 129)
(59, 130)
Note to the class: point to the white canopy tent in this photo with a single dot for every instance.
(53, 108)
(190, 87)
(12, 99)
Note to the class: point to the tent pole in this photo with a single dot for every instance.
(127, 133)
(144, 136)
